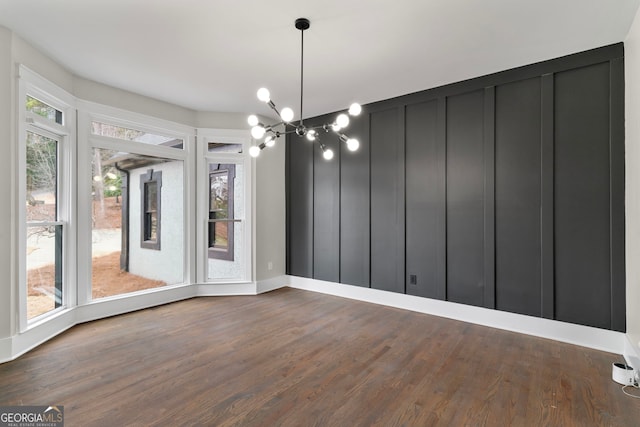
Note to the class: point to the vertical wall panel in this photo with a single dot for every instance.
(355, 206)
(465, 198)
(582, 221)
(489, 250)
(326, 211)
(547, 242)
(518, 124)
(616, 167)
(387, 201)
(299, 207)
(424, 181)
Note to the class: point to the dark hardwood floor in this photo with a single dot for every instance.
(298, 358)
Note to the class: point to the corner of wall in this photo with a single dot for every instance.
(632, 183)
(632, 351)
(271, 284)
(7, 191)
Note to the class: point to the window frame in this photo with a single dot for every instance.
(204, 158)
(89, 112)
(214, 251)
(63, 132)
(151, 177)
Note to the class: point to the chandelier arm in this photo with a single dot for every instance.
(288, 132)
(270, 127)
(324, 127)
(273, 107)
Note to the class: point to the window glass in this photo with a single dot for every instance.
(223, 147)
(221, 201)
(42, 177)
(44, 110)
(121, 261)
(128, 134)
(44, 241)
(44, 269)
(226, 231)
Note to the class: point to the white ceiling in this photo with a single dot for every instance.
(212, 55)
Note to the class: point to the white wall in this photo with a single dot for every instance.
(270, 213)
(166, 264)
(7, 190)
(215, 120)
(632, 181)
(25, 54)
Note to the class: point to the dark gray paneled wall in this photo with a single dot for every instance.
(518, 196)
(300, 218)
(581, 202)
(505, 191)
(355, 208)
(387, 201)
(425, 208)
(465, 198)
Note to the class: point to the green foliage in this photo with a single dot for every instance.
(40, 108)
(113, 186)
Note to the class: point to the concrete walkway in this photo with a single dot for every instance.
(41, 247)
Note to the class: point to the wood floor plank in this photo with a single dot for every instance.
(298, 358)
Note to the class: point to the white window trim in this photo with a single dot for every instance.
(30, 83)
(230, 136)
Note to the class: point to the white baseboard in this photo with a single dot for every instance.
(600, 339)
(585, 336)
(6, 351)
(132, 302)
(21, 343)
(225, 289)
(271, 284)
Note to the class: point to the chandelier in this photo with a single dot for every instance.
(271, 133)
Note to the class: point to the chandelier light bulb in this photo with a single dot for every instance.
(270, 141)
(264, 95)
(342, 120)
(311, 135)
(254, 151)
(335, 127)
(355, 109)
(253, 120)
(328, 154)
(257, 132)
(286, 114)
(353, 144)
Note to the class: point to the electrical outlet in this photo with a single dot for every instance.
(413, 279)
(269, 265)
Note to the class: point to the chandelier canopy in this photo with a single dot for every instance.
(272, 132)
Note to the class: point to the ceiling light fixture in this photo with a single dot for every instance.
(286, 115)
